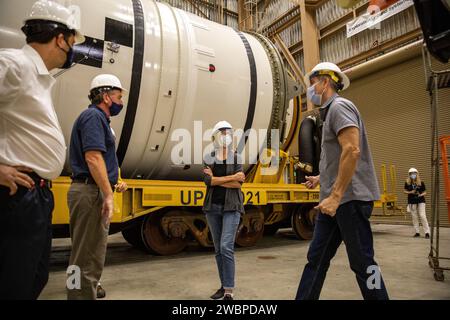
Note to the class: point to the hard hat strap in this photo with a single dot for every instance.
(328, 73)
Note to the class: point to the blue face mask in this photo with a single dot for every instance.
(312, 96)
(413, 176)
(69, 60)
(115, 109)
(69, 56)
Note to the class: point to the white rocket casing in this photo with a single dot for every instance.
(163, 59)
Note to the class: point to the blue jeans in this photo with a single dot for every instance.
(223, 226)
(351, 225)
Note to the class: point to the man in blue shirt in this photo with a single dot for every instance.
(95, 173)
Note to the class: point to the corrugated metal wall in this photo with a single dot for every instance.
(396, 109)
(208, 9)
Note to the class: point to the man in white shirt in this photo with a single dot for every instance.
(32, 147)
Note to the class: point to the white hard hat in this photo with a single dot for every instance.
(105, 81)
(221, 125)
(53, 11)
(328, 68)
(413, 170)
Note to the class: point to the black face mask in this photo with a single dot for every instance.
(70, 55)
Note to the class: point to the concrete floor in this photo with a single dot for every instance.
(269, 271)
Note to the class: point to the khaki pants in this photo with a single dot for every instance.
(89, 238)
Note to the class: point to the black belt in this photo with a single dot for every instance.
(89, 180)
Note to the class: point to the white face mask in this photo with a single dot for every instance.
(223, 141)
(314, 97)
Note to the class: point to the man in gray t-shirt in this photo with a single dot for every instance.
(348, 188)
(363, 186)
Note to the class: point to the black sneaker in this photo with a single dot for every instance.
(101, 293)
(228, 297)
(219, 294)
(427, 236)
(417, 235)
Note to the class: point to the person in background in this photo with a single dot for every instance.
(224, 204)
(415, 189)
(33, 149)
